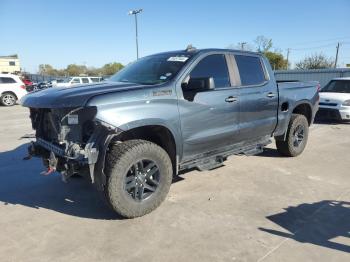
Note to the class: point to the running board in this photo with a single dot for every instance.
(214, 159)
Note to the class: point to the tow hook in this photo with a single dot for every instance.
(48, 171)
(52, 163)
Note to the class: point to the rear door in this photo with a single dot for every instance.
(8, 84)
(209, 118)
(258, 97)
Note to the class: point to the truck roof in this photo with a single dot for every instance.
(206, 50)
(342, 78)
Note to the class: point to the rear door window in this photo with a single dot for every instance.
(250, 70)
(213, 66)
(7, 80)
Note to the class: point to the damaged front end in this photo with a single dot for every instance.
(71, 141)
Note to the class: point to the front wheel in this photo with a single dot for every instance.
(296, 138)
(139, 175)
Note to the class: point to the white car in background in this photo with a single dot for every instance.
(12, 89)
(78, 80)
(335, 100)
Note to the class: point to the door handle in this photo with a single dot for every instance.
(270, 95)
(231, 99)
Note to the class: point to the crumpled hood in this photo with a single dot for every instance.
(59, 97)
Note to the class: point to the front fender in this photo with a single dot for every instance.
(129, 110)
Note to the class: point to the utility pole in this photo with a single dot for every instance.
(135, 12)
(336, 55)
(288, 50)
(242, 45)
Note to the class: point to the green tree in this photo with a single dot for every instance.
(315, 61)
(111, 68)
(92, 71)
(76, 70)
(276, 60)
(46, 69)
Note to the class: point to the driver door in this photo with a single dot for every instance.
(209, 118)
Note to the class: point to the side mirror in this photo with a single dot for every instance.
(199, 84)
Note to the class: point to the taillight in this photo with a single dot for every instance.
(23, 87)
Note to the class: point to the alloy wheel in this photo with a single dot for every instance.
(298, 135)
(8, 100)
(142, 180)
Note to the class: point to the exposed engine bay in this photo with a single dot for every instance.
(69, 140)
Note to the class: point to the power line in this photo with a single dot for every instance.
(324, 40)
(314, 47)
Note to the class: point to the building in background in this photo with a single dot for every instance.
(10, 64)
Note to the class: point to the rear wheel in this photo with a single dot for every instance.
(139, 175)
(296, 138)
(8, 99)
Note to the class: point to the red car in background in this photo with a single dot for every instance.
(27, 82)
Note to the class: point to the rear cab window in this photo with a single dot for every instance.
(250, 69)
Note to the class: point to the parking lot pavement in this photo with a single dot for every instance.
(260, 208)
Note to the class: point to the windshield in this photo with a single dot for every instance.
(337, 86)
(153, 69)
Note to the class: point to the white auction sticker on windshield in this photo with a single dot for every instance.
(73, 119)
(178, 58)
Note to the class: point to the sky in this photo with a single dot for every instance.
(98, 32)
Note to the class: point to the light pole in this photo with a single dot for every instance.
(242, 45)
(135, 12)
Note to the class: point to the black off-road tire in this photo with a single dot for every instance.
(287, 147)
(120, 157)
(8, 99)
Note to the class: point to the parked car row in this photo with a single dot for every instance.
(71, 81)
(13, 88)
(68, 82)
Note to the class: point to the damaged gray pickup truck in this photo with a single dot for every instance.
(166, 113)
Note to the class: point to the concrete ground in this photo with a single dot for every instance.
(260, 208)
